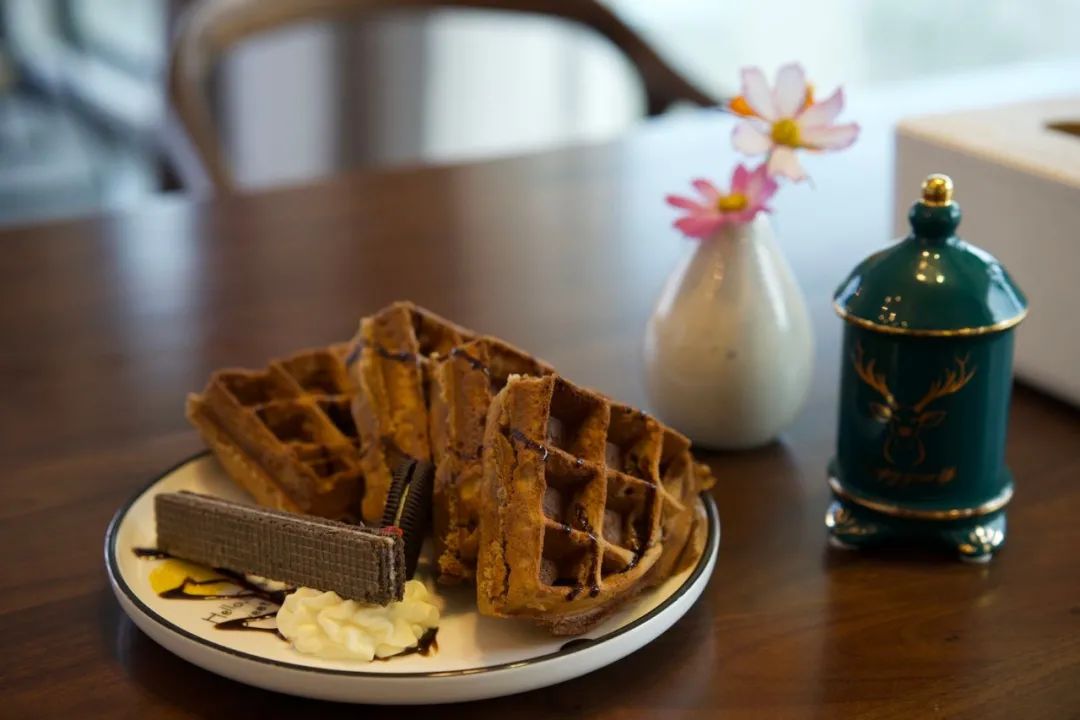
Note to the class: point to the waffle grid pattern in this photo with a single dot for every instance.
(292, 421)
(462, 387)
(391, 374)
(575, 506)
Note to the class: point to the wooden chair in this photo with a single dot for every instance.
(212, 27)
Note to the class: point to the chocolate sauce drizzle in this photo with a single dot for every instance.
(584, 527)
(476, 364)
(354, 353)
(152, 553)
(643, 545)
(528, 442)
(275, 596)
(400, 356)
(247, 588)
(244, 623)
(180, 592)
(583, 521)
(428, 644)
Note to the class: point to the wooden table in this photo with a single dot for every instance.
(108, 322)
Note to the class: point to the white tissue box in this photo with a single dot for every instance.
(1016, 170)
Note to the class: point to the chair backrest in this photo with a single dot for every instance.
(212, 27)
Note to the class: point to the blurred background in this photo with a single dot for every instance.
(86, 125)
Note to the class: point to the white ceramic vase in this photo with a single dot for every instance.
(728, 350)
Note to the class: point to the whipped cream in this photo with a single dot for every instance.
(322, 624)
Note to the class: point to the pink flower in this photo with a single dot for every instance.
(785, 118)
(749, 193)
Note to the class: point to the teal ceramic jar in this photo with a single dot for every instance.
(925, 383)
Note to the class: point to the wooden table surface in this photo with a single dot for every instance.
(108, 323)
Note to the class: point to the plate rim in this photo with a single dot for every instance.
(119, 583)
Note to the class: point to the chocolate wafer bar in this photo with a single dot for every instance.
(356, 562)
(408, 507)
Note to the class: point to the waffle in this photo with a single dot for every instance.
(285, 433)
(682, 480)
(462, 387)
(577, 496)
(390, 369)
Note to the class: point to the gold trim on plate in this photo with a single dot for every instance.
(954, 332)
(992, 505)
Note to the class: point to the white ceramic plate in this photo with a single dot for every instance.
(477, 657)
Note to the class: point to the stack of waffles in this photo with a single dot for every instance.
(558, 503)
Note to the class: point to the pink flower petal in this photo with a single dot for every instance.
(783, 161)
(824, 112)
(761, 187)
(790, 91)
(744, 216)
(700, 226)
(684, 202)
(754, 185)
(830, 137)
(755, 89)
(707, 190)
(739, 179)
(750, 140)
(768, 190)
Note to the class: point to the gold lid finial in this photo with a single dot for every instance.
(937, 190)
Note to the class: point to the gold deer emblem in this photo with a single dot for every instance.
(905, 423)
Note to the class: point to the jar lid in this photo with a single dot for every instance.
(931, 282)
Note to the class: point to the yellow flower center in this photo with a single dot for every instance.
(786, 132)
(735, 202)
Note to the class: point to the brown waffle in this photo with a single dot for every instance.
(682, 480)
(462, 387)
(390, 372)
(285, 434)
(577, 495)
